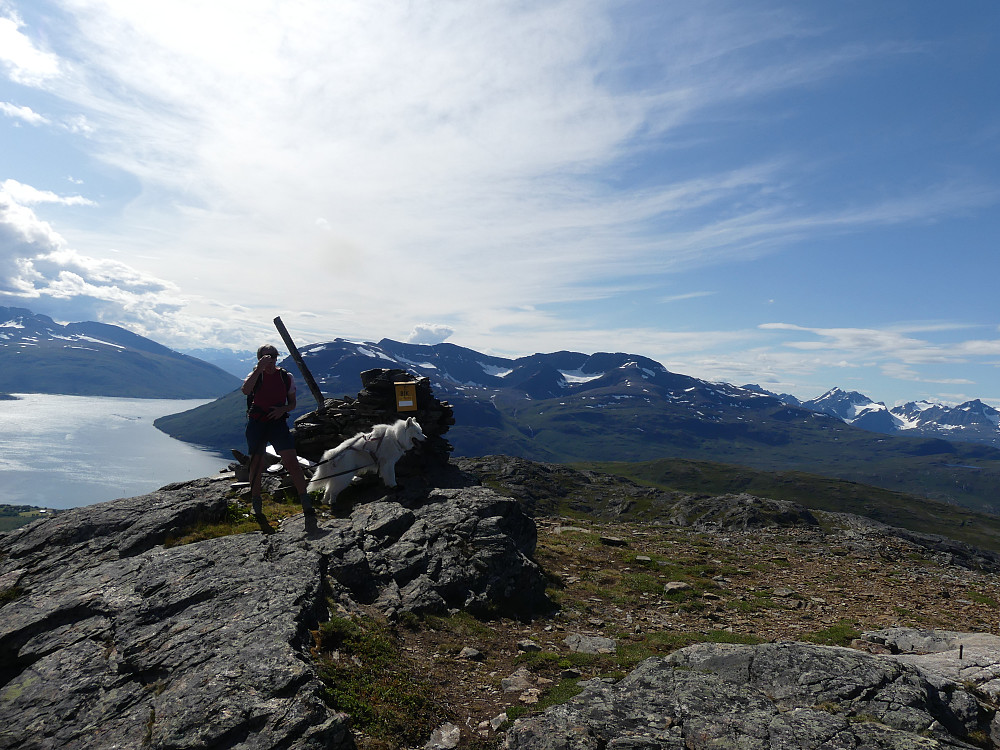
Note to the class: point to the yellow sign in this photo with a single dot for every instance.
(406, 396)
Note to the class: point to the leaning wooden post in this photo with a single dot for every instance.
(294, 351)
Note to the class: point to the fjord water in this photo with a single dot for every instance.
(68, 451)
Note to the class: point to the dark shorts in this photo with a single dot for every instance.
(273, 431)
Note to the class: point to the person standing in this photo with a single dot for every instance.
(270, 392)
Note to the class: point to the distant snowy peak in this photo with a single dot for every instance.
(846, 405)
(975, 412)
(855, 409)
(913, 414)
(606, 376)
(970, 421)
(785, 398)
(98, 359)
(971, 414)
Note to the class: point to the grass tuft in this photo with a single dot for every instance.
(238, 519)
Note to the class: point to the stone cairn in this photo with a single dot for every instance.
(339, 419)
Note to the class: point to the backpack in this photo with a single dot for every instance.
(285, 376)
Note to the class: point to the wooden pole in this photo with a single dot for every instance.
(294, 351)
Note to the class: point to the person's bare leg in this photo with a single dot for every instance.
(256, 471)
(294, 469)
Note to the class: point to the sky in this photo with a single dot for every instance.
(801, 195)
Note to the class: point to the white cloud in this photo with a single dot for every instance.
(451, 127)
(893, 350)
(427, 333)
(26, 195)
(25, 63)
(22, 237)
(78, 125)
(37, 267)
(685, 296)
(900, 371)
(25, 114)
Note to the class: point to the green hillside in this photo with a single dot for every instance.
(814, 492)
(15, 516)
(767, 439)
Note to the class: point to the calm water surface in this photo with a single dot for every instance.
(67, 451)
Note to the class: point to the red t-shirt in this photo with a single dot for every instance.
(270, 391)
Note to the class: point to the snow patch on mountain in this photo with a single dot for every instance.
(413, 363)
(573, 377)
(375, 353)
(92, 340)
(494, 371)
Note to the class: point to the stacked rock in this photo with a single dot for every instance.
(339, 419)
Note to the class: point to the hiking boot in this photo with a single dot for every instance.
(258, 510)
(307, 505)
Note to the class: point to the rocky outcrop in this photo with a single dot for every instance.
(549, 489)
(741, 512)
(969, 659)
(552, 489)
(110, 639)
(463, 548)
(783, 696)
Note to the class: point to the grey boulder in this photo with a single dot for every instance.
(782, 696)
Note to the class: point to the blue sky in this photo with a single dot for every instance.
(798, 194)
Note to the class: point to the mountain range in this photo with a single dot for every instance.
(97, 359)
(559, 407)
(565, 407)
(971, 421)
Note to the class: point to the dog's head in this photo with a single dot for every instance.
(412, 433)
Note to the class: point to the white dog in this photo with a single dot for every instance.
(366, 452)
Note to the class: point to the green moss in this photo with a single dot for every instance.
(542, 661)
(14, 690)
(840, 634)
(367, 677)
(753, 604)
(978, 598)
(561, 692)
(10, 594)
(664, 642)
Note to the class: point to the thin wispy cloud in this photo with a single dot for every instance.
(685, 296)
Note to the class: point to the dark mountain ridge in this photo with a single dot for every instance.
(97, 359)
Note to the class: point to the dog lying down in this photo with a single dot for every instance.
(366, 452)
